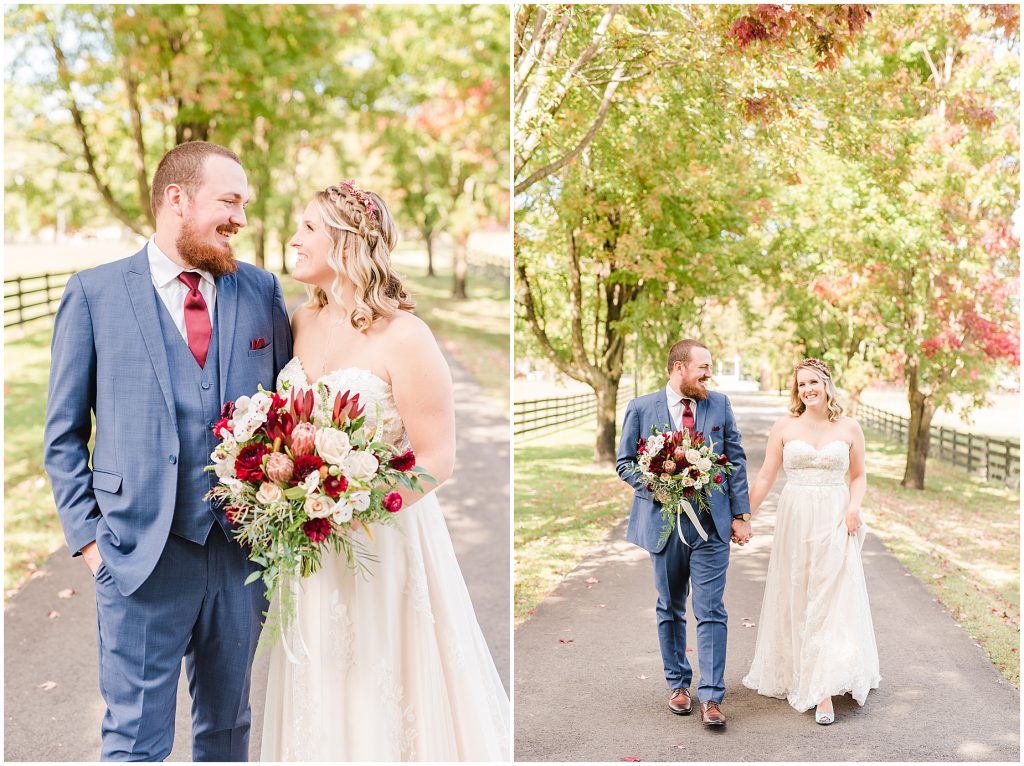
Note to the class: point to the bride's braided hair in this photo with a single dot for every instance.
(797, 407)
(364, 234)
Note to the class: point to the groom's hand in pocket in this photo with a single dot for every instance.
(91, 554)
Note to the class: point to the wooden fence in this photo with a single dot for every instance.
(998, 460)
(28, 298)
(538, 414)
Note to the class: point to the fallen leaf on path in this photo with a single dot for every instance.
(531, 611)
(642, 677)
(67, 593)
(747, 623)
(602, 605)
(53, 614)
(47, 685)
(592, 580)
(565, 640)
(632, 759)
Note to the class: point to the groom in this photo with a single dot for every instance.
(152, 346)
(685, 402)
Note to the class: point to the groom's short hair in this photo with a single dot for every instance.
(680, 352)
(183, 165)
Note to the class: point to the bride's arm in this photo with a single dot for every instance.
(422, 386)
(858, 477)
(769, 471)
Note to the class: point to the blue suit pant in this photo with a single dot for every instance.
(703, 566)
(194, 605)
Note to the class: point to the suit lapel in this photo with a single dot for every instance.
(143, 297)
(701, 416)
(227, 310)
(664, 418)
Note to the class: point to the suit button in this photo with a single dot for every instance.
(210, 424)
(206, 384)
(172, 459)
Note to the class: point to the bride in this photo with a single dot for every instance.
(815, 639)
(391, 666)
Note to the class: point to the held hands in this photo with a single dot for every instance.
(92, 557)
(741, 531)
(853, 521)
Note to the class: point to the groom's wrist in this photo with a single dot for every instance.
(741, 517)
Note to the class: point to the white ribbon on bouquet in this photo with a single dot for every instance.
(691, 514)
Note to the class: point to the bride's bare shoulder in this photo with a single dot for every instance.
(405, 327)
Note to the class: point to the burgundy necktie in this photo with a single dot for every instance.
(687, 419)
(197, 318)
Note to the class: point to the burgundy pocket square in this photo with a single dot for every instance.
(257, 343)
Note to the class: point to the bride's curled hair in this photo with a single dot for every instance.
(820, 369)
(364, 234)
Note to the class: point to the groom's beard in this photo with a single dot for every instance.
(693, 391)
(204, 256)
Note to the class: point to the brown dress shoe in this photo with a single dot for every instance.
(711, 714)
(679, 703)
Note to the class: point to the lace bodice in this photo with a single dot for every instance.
(373, 392)
(809, 466)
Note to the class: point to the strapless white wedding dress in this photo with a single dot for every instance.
(815, 637)
(393, 666)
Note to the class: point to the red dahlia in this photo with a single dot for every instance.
(249, 463)
(335, 485)
(317, 530)
(404, 462)
(304, 466)
(719, 478)
(393, 502)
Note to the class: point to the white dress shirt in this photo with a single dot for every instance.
(172, 291)
(675, 407)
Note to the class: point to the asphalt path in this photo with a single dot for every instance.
(589, 683)
(62, 722)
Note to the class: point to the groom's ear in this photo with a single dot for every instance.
(174, 198)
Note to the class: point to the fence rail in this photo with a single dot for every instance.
(29, 298)
(998, 460)
(538, 414)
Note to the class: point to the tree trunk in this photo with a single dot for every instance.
(286, 223)
(428, 237)
(922, 409)
(605, 447)
(854, 402)
(460, 268)
(260, 242)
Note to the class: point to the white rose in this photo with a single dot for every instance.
(269, 493)
(361, 465)
(692, 456)
(686, 481)
(333, 445)
(704, 464)
(318, 506)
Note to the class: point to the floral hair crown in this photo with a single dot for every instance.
(815, 364)
(363, 197)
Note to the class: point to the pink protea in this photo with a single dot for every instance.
(280, 468)
(303, 439)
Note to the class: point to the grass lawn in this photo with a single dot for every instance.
(564, 505)
(961, 538)
(31, 527)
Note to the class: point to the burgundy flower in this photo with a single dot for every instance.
(224, 423)
(228, 410)
(230, 513)
(335, 485)
(249, 463)
(393, 502)
(404, 462)
(304, 466)
(317, 530)
(688, 492)
(723, 460)
(719, 478)
(694, 472)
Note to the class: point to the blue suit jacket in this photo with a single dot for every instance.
(109, 360)
(645, 412)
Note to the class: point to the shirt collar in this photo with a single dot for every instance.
(165, 270)
(674, 398)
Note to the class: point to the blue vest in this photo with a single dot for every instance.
(197, 409)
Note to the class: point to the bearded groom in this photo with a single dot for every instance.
(685, 402)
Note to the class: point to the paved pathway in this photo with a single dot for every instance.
(63, 723)
(602, 697)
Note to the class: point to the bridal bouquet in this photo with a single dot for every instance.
(300, 473)
(681, 468)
